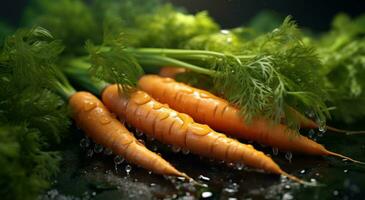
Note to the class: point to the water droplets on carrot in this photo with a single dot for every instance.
(141, 141)
(163, 115)
(89, 105)
(200, 129)
(167, 80)
(157, 106)
(105, 120)
(141, 98)
(186, 90)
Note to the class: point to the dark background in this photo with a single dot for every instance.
(314, 14)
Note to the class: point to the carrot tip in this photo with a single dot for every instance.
(298, 180)
(345, 157)
(347, 132)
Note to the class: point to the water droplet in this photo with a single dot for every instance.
(283, 179)
(185, 151)
(89, 153)
(141, 141)
(287, 196)
(322, 129)
(89, 105)
(98, 148)
(93, 193)
(335, 193)
(239, 166)
(204, 178)
(224, 31)
(152, 184)
(118, 160)
(288, 187)
(150, 139)
(207, 195)
(175, 149)
(302, 171)
(139, 133)
(129, 126)
(313, 180)
(154, 148)
(105, 120)
(84, 143)
(289, 156)
(230, 164)
(108, 152)
(275, 151)
(128, 169)
(311, 133)
(345, 170)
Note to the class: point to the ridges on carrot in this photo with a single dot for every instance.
(103, 128)
(178, 129)
(216, 112)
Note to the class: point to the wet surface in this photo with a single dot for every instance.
(91, 172)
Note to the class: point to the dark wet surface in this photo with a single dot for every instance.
(95, 177)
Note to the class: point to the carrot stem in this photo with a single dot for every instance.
(164, 61)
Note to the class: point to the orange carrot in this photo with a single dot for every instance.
(178, 129)
(216, 112)
(171, 72)
(310, 124)
(103, 128)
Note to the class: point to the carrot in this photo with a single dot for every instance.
(310, 124)
(171, 71)
(103, 128)
(216, 112)
(178, 129)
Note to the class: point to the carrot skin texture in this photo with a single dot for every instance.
(216, 112)
(103, 128)
(171, 127)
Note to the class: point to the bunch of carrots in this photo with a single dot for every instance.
(176, 113)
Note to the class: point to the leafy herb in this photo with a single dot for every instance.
(343, 53)
(69, 20)
(32, 119)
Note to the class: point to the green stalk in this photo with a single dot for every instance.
(77, 71)
(174, 52)
(165, 61)
(66, 91)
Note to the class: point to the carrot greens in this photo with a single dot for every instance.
(32, 119)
